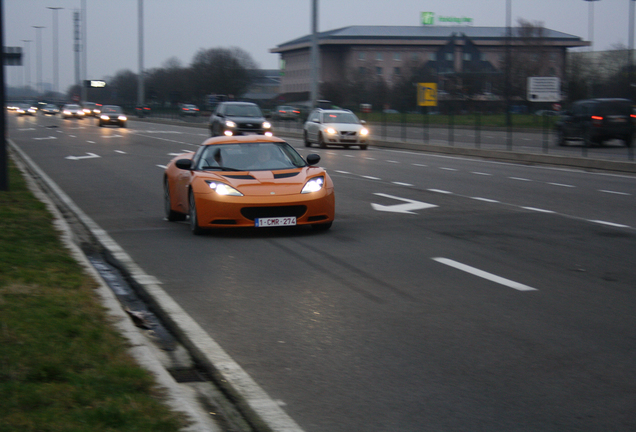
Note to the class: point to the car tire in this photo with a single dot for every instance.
(306, 139)
(363, 146)
(194, 220)
(122, 125)
(321, 141)
(101, 124)
(560, 138)
(171, 215)
(628, 140)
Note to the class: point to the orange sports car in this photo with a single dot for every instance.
(248, 181)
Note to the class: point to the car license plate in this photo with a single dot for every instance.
(275, 222)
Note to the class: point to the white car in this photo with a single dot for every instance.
(335, 127)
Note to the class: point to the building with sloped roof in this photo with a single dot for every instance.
(388, 52)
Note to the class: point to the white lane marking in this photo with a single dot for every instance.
(370, 158)
(419, 165)
(162, 166)
(484, 199)
(519, 178)
(392, 161)
(614, 192)
(349, 156)
(562, 185)
(447, 169)
(537, 209)
(371, 177)
(90, 156)
(612, 224)
(402, 184)
(342, 172)
(120, 152)
(485, 275)
(480, 173)
(91, 142)
(440, 191)
(112, 136)
(45, 138)
(401, 208)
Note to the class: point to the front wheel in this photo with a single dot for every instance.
(363, 146)
(171, 215)
(194, 220)
(321, 142)
(306, 139)
(560, 138)
(628, 140)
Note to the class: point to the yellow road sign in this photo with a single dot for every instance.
(427, 94)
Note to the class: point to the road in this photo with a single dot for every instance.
(451, 294)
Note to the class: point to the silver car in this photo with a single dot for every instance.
(335, 127)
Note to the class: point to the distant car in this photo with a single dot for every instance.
(25, 109)
(50, 109)
(112, 115)
(286, 112)
(248, 181)
(238, 118)
(338, 127)
(142, 111)
(73, 111)
(91, 109)
(597, 120)
(188, 110)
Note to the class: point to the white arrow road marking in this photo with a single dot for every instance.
(401, 208)
(485, 275)
(90, 156)
(45, 138)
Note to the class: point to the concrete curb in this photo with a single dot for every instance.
(263, 413)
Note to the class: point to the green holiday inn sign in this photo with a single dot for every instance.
(428, 18)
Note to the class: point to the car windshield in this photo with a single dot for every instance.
(72, 107)
(250, 157)
(340, 118)
(111, 109)
(243, 111)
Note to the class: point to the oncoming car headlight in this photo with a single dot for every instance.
(313, 185)
(364, 131)
(230, 124)
(331, 131)
(222, 188)
(267, 125)
(122, 118)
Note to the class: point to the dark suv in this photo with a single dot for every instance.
(597, 120)
(238, 118)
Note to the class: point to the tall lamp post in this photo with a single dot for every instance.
(27, 64)
(630, 50)
(38, 84)
(590, 34)
(55, 49)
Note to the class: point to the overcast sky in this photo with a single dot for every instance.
(179, 28)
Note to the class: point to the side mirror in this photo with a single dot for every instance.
(313, 159)
(184, 164)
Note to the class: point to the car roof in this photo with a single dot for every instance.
(240, 139)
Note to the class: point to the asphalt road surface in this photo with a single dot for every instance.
(451, 294)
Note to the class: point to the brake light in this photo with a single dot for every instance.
(597, 120)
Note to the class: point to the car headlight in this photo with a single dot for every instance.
(122, 118)
(364, 131)
(313, 185)
(222, 188)
(331, 131)
(267, 125)
(104, 117)
(230, 124)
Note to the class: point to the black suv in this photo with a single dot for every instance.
(238, 118)
(597, 120)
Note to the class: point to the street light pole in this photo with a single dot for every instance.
(55, 50)
(38, 84)
(140, 78)
(590, 35)
(27, 64)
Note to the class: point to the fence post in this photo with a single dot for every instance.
(425, 124)
(451, 125)
(477, 129)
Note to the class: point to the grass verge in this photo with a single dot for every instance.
(63, 367)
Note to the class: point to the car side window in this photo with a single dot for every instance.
(315, 117)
